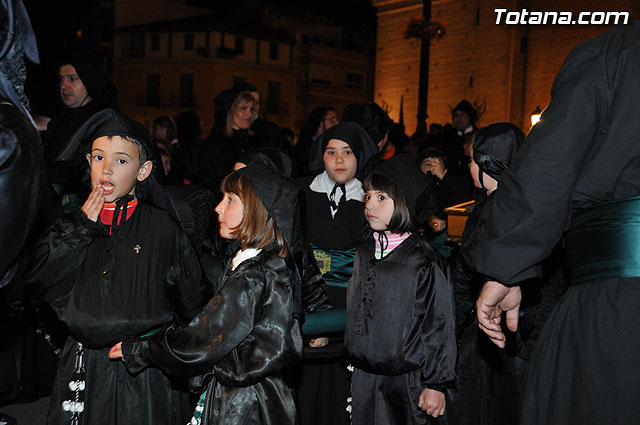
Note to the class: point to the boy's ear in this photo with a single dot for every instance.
(145, 170)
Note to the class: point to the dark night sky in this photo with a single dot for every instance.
(55, 23)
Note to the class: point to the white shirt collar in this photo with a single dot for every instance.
(242, 256)
(466, 130)
(323, 184)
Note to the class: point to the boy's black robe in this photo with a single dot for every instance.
(105, 287)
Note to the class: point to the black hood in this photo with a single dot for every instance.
(361, 144)
(96, 81)
(494, 147)
(108, 122)
(406, 174)
(275, 158)
(283, 198)
(17, 40)
(280, 195)
(466, 107)
(222, 103)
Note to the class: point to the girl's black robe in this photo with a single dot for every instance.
(242, 341)
(400, 314)
(105, 287)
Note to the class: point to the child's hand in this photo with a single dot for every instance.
(436, 167)
(116, 352)
(432, 402)
(437, 224)
(93, 204)
(318, 342)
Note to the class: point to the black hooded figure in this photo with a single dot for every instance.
(452, 141)
(29, 206)
(335, 221)
(221, 148)
(315, 298)
(334, 225)
(400, 332)
(494, 147)
(128, 274)
(268, 131)
(23, 177)
(66, 121)
(490, 380)
(248, 334)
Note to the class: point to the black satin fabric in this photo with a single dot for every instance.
(391, 400)
(245, 338)
(113, 395)
(24, 187)
(400, 314)
(105, 287)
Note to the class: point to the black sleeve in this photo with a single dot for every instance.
(21, 172)
(60, 251)
(314, 293)
(224, 322)
(532, 205)
(435, 308)
(191, 288)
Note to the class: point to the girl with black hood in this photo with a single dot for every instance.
(249, 333)
(400, 330)
(490, 380)
(334, 226)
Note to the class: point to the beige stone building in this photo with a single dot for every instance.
(506, 69)
(164, 66)
(168, 67)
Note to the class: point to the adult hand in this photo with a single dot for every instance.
(495, 299)
(93, 204)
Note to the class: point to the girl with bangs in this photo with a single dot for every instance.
(400, 328)
(238, 348)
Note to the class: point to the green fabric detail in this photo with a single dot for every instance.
(150, 333)
(604, 241)
(335, 265)
(324, 322)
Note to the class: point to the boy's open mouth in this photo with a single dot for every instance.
(107, 188)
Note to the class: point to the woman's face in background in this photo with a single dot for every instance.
(243, 116)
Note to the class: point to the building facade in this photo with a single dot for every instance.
(506, 70)
(298, 62)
